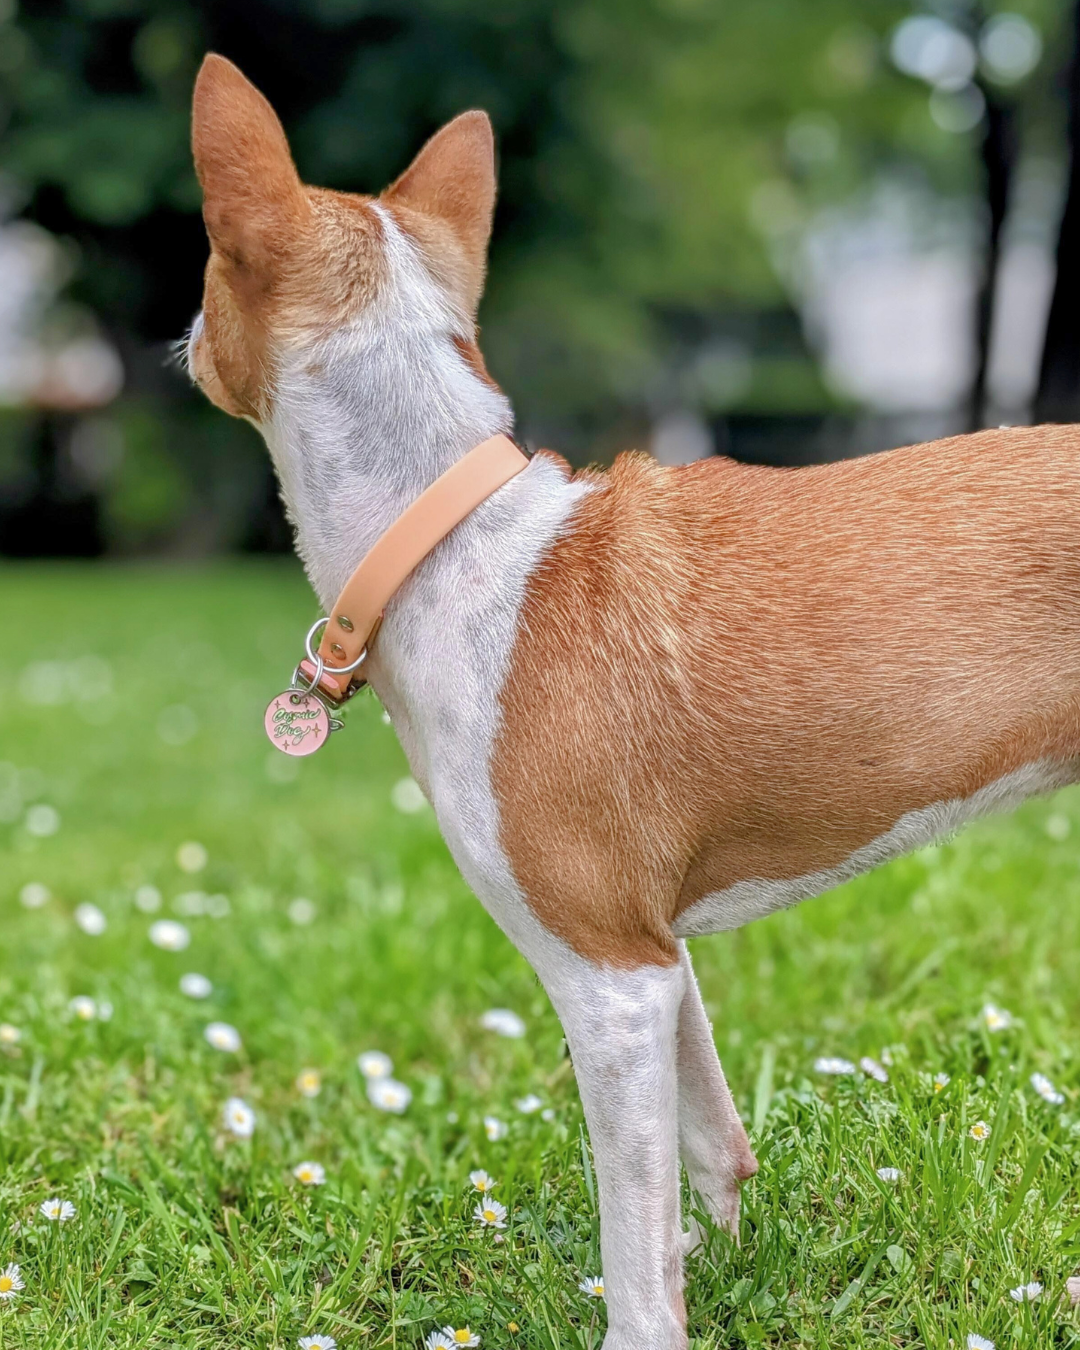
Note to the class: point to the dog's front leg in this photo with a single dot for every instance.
(712, 1139)
(621, 1029)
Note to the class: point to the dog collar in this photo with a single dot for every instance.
(299, 720)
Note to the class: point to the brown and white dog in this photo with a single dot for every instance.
(649, 703)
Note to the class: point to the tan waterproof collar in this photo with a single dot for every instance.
(358, 609)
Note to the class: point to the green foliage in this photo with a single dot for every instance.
(185, 1238)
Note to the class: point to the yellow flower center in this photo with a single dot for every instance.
(512, 1326)
(6, 1284)
(489, 1214)
(463, 1335)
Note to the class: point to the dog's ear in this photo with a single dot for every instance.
(253, 200)
(452, 181)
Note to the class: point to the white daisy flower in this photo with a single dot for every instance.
(528, 1104)
(408, 796)
(9, 1035)
(980, 1131)
(834, 1065)
(310, 1173)
(91, 920)
(503, 1022)
(995, 1018)
(83, 1007)
(490, 1213)
(873, 1069)
(195, 985)
(889, 1173)
(309, 1082)
(317, 1343)
(222, 1036)
(10, 1282)
(979, 1343)
(42, 820)
(57, 1210)
(548, 1113)
(148, 899)
(593, 1285)
(34, 894)
(438, 1340)
(374, 1064)
(238, 1118)
(461, 1337)
(1026, 1293)
(104, 1010)
(1046, 1090)
(941, 1082)
(482, 1182)
(169, 935)
(191, 857)
(388, 1095)
(301, 911)
(495, 1128)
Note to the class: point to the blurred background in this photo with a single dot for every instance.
(778, 229)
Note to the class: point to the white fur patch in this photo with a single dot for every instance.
(748, 900)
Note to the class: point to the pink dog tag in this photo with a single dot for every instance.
(297, 722)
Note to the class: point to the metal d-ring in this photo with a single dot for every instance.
(330, 670)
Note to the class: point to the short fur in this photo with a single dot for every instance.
(643, 704)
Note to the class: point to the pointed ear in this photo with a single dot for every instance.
(452, 180)
(253, 200)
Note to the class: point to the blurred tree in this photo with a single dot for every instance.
(654, 156)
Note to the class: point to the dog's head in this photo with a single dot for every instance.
(292, 265)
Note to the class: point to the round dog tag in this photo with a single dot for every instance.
(297, 722)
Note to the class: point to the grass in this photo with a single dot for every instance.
(185, 1237)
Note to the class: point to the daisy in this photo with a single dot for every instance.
(408, 796)
(941, 1082)
(503, 1022)
(1046, 1089)
(548, 1113)
(301, 911)
(310, 1173)
(494, 1128)
(57, 1210)
(995, 1018)
(832, 1064)
(317, 1343)
(1026, 1293)
(873, 1069)
(889, 1173)
(374, 1064)
(195, 985)
(439, 1340)
(528, 1104)
(191, 857)
(309, 1082)
(222, 1036)
(462, 1336)
(593, 1285)
(91, 920)
(482, 1182)
(148, 899)
(388, 1095)
(980, 1131)
(10, 1283)
(979, 1343)
(9, 1035)
(33, 895)
(238, 1118)
(490, 1214)
(84, 1008)
(169, 935)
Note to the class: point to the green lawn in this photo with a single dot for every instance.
(186, 1236)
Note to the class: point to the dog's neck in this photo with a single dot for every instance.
(364, 423)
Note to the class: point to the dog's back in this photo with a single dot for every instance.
(755, 682)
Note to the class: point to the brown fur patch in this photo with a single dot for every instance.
(727, 673)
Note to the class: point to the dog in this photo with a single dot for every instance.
(647, 703)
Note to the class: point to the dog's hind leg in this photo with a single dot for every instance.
(621, 1028)
(712, 1139)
